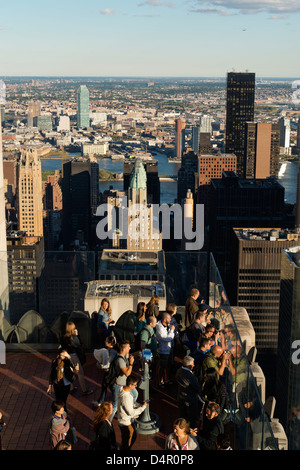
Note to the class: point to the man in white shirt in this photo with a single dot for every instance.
(165, 333)
(128, 410)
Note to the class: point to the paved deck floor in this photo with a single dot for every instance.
(26, 407)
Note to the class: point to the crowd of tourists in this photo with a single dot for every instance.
(210, 371)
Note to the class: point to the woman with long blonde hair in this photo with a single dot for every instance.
(104, 322)
(72, 344)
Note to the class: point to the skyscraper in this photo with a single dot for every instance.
(256, 263)
(298, 136)
(30, 194)
(140, 231)
(285, 134)
(205, 147)
(25, 273)
(2, 115)
(236, 202)
(180, 137)
(205, 125)
(80, 192)
(52, 211)
(196, 139)
(34, 110)
(83, 107)
(4, 295)
(262, 150)
(239, 110)
(43, 122)
(187, 175)
(288, 377)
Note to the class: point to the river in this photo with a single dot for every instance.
(168, 189)
(288, 174)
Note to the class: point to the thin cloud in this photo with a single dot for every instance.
(278, 17)
(157, 3)
(147, 16)
(108, 11)
(213, 11)
(276, 7)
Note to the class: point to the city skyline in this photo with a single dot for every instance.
(150, 38)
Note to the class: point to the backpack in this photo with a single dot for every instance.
(112, 374)
(137, 339)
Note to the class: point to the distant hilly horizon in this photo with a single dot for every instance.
(146, 77)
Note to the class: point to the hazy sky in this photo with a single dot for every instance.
(150, 37)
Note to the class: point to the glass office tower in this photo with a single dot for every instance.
(239, 110)
(83, 107)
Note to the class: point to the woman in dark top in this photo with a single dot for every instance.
(72, 344)
(61, 376)
(104, 430)
(213, 389)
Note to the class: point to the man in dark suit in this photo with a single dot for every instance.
(188, 392)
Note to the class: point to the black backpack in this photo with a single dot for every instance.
(113, 372)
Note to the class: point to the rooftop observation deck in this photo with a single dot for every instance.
(26, 406)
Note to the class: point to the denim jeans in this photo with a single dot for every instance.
(115, 392)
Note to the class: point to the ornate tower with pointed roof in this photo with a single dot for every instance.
(137, 191)
(140, 234)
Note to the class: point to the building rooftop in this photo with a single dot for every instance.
(125, 288)
(230, 178)
(128, 259)
(268, 234)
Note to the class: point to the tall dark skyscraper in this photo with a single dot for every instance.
(255, 263)
(236, 202)
(288, 377)
(239, 110)
(80, 190)
(187, 175)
